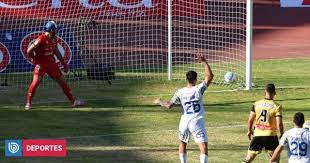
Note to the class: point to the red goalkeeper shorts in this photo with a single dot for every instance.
(51, 69)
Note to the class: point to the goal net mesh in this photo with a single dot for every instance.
(121, 42)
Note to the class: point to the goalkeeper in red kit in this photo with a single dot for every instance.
(42, 53)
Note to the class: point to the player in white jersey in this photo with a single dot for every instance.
(297, 141)
(192, 120)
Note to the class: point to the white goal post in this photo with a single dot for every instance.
(249, 44)
(246, 13)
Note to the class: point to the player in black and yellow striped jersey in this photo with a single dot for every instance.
(266, 115)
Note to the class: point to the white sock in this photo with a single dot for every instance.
(203, 158)
(183, 157)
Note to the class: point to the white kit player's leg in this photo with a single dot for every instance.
(184, 133)
(184, 136)
(203, 152)
(203, 158)
(198, 130)
(183, 157)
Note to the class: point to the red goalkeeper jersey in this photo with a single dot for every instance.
(46, 49)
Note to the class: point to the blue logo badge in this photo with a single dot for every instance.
(13, 148)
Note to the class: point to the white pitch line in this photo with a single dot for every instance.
(138, 133)
(151, 132)
(118, 134)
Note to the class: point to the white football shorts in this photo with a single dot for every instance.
(193, 126)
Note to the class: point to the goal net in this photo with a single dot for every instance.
(125, 41)
(215, 28)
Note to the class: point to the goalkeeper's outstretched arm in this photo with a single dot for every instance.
(166, 104)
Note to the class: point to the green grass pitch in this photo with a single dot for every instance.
(132, 129)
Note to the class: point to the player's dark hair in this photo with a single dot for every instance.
(270, 88)
(299, 119)
(191, 76)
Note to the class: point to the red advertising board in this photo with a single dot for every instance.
(306, 2)
(97, 8)
(4, 57)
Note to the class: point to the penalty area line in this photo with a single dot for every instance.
(139, 133)
(150, 132)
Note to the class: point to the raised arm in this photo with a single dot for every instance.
(208, 72)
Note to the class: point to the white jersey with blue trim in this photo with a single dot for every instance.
(297, 141)
(191, 100)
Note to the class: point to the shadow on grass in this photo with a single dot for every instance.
(58, 124)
